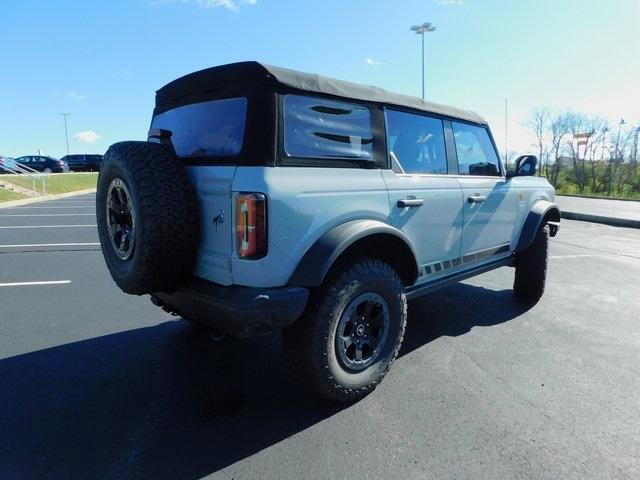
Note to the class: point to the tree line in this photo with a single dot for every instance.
(585, 154)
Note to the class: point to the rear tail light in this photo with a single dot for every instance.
(251, 225)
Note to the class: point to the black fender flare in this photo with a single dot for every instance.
(542, 211)
(318, 259)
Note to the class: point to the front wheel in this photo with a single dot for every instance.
(531, 267)
(351, 332)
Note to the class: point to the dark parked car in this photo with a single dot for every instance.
(83, 163)
(43, 163)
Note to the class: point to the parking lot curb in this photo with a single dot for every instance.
(595, 197)
(612, 221)
(46, 198)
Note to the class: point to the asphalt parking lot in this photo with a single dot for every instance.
(97, 384)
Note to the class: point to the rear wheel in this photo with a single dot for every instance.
(351, 332)
(48, 170)
(531, 267)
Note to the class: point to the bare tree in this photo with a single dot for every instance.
(539, 122)
(581, 151)
(557, 132)
(508, 160)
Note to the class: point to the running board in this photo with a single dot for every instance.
(418, 290)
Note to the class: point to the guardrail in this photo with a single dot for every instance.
(22, 170)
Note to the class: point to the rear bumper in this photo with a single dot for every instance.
(235, 310)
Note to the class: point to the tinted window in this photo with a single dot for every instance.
(476, 155)
(206, 129)
(416, 143)
(319, 128)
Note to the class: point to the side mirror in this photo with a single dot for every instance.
(526, 166)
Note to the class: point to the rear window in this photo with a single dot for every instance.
(206, 129)
(320, 128)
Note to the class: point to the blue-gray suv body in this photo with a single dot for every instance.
(267, 198)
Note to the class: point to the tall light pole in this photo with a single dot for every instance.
(426, 27)
(66, 133)
(506, 131)
(622, 122)
(634, 159)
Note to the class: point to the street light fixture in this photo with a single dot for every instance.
(66, 133)
(426, 27)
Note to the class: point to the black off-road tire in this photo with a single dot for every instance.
(310, 343)
(165, 209)
(531, 267)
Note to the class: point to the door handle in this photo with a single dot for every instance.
(410, 202)
(476, 199)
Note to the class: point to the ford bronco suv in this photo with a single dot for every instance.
(270, 199)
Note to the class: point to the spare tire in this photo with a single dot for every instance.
(147, 216)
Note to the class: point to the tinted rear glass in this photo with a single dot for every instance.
(320, 128)
(206, 129)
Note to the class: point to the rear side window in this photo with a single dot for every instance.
(416, 143)
(476, 155)
(320, 128)
(206, 129)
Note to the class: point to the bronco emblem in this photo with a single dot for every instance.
(218, 220)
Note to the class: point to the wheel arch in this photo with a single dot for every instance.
(542, 212)
(351, 238)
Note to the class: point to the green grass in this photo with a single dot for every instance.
(58, 183)
(8, 195)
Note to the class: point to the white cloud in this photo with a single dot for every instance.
(76, 96)
(450, 2)
(232, 5)
(372, 62)
(122, 72)
(88, 136)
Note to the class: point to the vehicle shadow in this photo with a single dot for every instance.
(455, 310)
(168, 402)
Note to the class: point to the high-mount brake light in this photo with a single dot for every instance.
(251, 225)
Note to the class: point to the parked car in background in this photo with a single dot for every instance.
(43, 163)
(7, 164)
(83, 162)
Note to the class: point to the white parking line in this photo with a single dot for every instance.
(67, 204)
(35, 245)
(27, 284)
(45, 226)
(49, 215)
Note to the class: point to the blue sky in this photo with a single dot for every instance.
(101, 61)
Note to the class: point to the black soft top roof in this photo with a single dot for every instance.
(210, 80)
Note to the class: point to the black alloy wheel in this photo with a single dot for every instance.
(361, 332)
(120, 219)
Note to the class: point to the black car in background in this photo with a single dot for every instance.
(42, 163)
(83, 163)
